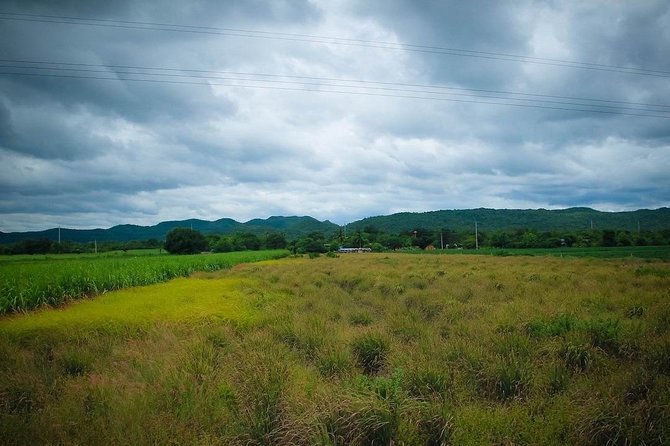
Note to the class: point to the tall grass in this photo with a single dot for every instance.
(26, 283)
(357, 350)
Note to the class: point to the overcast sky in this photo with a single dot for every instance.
(161, 110)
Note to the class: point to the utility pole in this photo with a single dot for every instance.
(476, 236)
(59, 234)
(95, 244)
(441, 240)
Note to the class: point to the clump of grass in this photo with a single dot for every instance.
(361, 318)
(429, 382)
(559, 378)
(435, 426)
(261, 413)
(76, 364)
(18, 400)
(556, 326)
(370, 351)
(504, 381)
(334, 362)
(660, 357)
(605, 334)
(576, 358)
(635, 312)
(308, 339)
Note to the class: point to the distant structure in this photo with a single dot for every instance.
(353, 250)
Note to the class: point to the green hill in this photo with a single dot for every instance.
(291, 226)
(510, 219)
(457, 220)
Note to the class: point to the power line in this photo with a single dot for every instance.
(271, 35)
(47, 65)
(361, 93)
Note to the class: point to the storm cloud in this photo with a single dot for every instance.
(137, 112)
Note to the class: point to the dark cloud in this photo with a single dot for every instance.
(94, 152)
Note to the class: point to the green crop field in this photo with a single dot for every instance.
(27, 282)
(360, 349)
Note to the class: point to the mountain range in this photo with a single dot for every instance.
(459, 220)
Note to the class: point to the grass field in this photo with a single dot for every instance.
(27, 282)
(361, 349)
(641, 252)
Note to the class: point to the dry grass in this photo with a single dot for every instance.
(360, 349)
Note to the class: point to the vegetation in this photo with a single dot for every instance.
(28, 282)
(540, 220)
(355, 349)
(185, 241)
(292, 227)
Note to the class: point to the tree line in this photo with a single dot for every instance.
(184, 240)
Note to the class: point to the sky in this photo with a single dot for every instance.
(115, 112)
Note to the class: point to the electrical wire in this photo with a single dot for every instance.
(76, 70)
(234, 32)
(44, 65)
(351, 92)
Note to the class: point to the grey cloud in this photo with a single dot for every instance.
(95, 152)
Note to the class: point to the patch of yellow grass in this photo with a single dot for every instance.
(180, 300)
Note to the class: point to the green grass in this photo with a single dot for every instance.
(357, 350)
(28, 282)
(643, 252)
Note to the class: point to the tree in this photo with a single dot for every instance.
(185, 241)
(275, 240)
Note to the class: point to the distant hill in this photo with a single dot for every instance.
(293, 227)
(510, 219)
(458, 220)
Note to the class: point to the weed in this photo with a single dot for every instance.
(558, 379)
(262, 413)
(605, 334)
(635, 312)
(576, 358)
(370, 351)
(504, 381)
(334, 362)
(436, 425)
(76, 364)
(429, 382)
(555, 326)
(320, 359)
(660, 358)
(361, 318)
(16, 400)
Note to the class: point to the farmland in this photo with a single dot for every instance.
(359, 349)
(27, 282)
